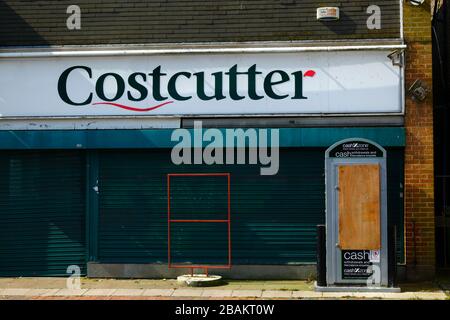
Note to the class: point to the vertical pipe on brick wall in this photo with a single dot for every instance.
(414, 243)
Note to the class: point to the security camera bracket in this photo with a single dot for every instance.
(397, 57)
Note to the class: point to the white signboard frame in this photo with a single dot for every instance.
(228, 84)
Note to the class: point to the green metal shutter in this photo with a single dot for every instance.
(273, 218)
(42, 208)
(133, 206)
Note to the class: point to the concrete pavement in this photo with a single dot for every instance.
(213, 293)
(95, 289)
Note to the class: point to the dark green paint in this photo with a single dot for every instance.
(142, 89)
(92, 205)
(270, 83)
(172, 86)
(62, 86)
(42, 207)
(156, 83)
(218, 86)
(274, 218)
(100, 86)
(160, 138)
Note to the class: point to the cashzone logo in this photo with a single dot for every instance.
(355, 145)
(149, 86)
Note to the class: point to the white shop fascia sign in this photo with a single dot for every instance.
(300, 83)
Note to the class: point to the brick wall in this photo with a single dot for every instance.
(419, 172)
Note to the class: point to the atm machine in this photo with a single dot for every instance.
(356, 217)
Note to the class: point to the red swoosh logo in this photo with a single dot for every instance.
(309, 73)
(132, 108)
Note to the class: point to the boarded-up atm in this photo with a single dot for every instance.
(356, 214)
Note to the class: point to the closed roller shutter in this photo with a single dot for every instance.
(42, 207)
(274, 218)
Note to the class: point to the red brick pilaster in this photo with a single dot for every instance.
(419, 175)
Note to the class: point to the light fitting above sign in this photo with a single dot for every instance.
(322, 83)
(328, 13)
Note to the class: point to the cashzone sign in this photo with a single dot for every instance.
(356, 213)
(302, 83)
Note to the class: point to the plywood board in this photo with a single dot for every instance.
(359, 207)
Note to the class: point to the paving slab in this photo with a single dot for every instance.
(306, 295)
(216, 293)
(14, 291)
(337, 295)
(158, 292)
(187, 293)
(371, 295)
(247, 293)
(4, 282)
(102, 285)
(15, 298)
(432, 296)
(399, 296)
(99, 292)
(276, 294)
(130, 284)
(428, 296)
(70, 292)
(34, 283)
(128, 292)
(41, 292)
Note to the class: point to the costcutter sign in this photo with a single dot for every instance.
(199, 84)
